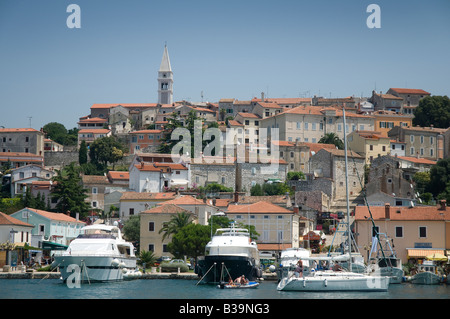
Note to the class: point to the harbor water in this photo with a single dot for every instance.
(187, 289)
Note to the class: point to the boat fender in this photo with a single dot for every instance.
(115, 262)
(122, 265)
(304, 282)
(325, 282)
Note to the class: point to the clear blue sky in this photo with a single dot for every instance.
(227, 49)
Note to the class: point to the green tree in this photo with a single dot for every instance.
(56, 132)
(176, 222)
(190, 241)
(106, 150)
(69, 191)
(82, 153)
(433, 110)
(332, 138)
(295, 176)
(256, 190)
(439, 184)
(147, 257)
(132, 229)
(422, 180)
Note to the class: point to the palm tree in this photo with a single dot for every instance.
(332, 138)
(176, 222)
(147, 257)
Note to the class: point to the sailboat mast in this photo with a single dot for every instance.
(346, 194)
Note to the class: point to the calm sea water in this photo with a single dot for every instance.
(187, 289)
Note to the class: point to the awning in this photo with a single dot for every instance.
(53, 246)
(422, 253)
(437, 257)
(179, 182)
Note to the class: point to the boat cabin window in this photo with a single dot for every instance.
(124, 250)
(101, 233)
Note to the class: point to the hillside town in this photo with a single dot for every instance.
(120, 158)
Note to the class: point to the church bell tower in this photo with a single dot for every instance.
(165, 80)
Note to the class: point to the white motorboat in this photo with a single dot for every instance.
(99, 253)
(288, 260)
(233, 250)
(426, 274)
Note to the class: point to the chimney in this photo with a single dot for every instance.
(443, 204)
(142, 164)
(236, 197)
(295, 208)
(387, 211)
(262, 96)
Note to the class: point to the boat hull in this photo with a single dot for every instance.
(211, 270)
(426, 278)
(93, 268)
(330, 282)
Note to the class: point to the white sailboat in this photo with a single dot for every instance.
(288, 260)
(330, 280)
(390, 265)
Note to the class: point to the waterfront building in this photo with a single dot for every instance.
(416, 232)
(279, 228)
(152, 221)
(53, 228)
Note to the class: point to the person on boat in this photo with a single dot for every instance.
(244, 280)
(238, 280)
(299, 270)
(337, 267)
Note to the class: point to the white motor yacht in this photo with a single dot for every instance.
(99, 253)
(230, 253)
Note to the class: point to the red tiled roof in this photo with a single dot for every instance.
(417, 160)
(165, 209)
(269, 105)
(93, 120)
(9, 220)
(185, 200)
(249, 115)
(156, 167)
(54, 216)
(126, 105)
(261, 207)
(119, 175)
(410, 91)
(13, 130)
(146, 132)
(403, 213)
(147, 196)
(94, 131)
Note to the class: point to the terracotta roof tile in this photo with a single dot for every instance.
(9, 220)
(185, 200)
(410, 91)
(165, 209)
(55, 216)
(148, 196)
(403, 213)
(261, 207)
